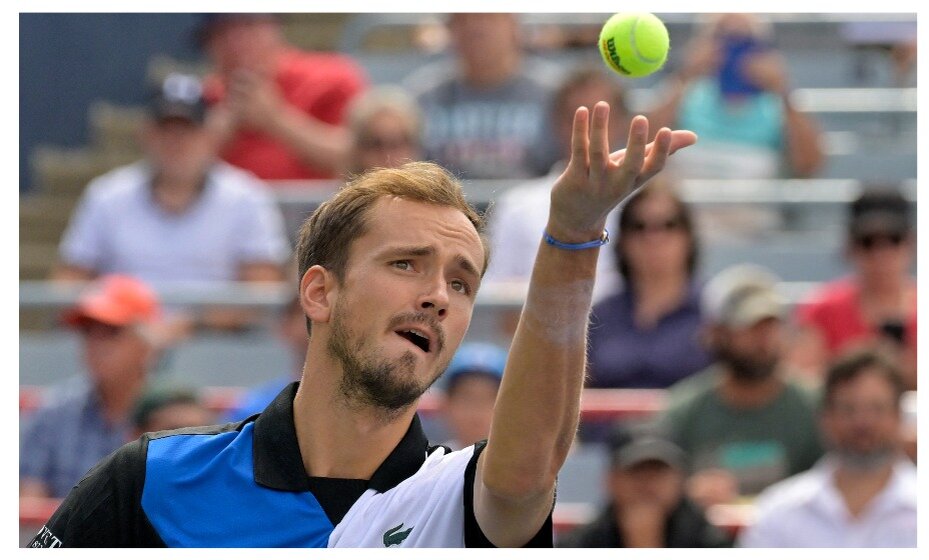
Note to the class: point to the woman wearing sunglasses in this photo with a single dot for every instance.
(877, 302)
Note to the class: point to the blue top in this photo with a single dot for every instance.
(624, 356)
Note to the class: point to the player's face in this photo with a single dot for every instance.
(862, 423)
(405, 302)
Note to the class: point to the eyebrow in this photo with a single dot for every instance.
(425, 250)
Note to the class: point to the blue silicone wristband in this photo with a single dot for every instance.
(603, 240)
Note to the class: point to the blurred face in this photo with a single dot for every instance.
(481, 37)
(469, 408)
(882, 255)
(405, 302)
(862, 422)
(752, 353)
(113, 353)
(178, 148)
(388, 139)
(652, 482)
(178, 415)
(656, 242)
(245, 44)
(587, 96)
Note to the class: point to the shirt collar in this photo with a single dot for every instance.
(279, 465)
(899, 491)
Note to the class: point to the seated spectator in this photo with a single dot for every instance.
(292, 330)
(646, 335)
(486, 112)
(863, 492)
(742, 421)
(877, 303)
(518, 217)
(178, 215)
(89, 418)
(647, 507)
(471, 383)
(733, 90)
(168, 407)
(279, 111)
(386, 130)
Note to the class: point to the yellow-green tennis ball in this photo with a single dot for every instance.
(634, 44)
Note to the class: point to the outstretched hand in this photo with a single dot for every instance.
(595, 180)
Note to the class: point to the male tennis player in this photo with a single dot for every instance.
(389, 270)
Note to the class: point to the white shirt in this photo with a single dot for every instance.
(119, 228)
(806, 510)
(517, 223)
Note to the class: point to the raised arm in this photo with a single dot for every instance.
(536, 414)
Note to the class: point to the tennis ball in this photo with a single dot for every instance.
(634, 44)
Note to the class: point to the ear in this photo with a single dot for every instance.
(318, 289)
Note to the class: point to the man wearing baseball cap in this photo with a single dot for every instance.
(744, 423)
(647, 507)
(87, 418)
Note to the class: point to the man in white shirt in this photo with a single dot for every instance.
(863, 492)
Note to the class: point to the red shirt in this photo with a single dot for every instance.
(320, 84)
(835, 311)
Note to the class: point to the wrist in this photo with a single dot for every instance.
(594, 243)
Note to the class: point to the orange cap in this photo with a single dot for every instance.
(116, 300)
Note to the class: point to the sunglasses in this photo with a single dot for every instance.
(640, 226)
(101, 330)
(872, 241)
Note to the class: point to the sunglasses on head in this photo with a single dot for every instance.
(641, 226)
(871, 241)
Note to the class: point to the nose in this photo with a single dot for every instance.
(435, 298)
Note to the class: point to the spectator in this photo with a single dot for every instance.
(518, 217)
(292, 331)
(647, 507)
(646, 335)
(471, 383)
(863, 492)
(280, 111)
(877, 302)
(733, 90)
(485, 114)
(178, 215)
(89, 418)
(742, 422)
(386, 130)
(168, 407)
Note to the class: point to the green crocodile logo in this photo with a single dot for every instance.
(393, 537)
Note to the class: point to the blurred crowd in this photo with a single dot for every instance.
(795, 408)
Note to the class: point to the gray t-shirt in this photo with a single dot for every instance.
(497, 133)
(118, 228)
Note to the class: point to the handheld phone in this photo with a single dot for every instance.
(735, 49)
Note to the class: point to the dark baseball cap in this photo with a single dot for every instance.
(879, 211)
(631, 444)
(179, 96)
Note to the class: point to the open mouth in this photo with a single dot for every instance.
(418, 339)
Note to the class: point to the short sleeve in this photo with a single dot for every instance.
(261, 235)
(83, 243)
(104, 509)
(474, 536)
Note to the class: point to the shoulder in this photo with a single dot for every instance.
(116, 185)
(233, 184)
(690, 390)
(842, 291)
(790, 494)
(434, 80)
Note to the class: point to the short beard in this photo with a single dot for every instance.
(389, 387)
(747, 369)
(865, 461)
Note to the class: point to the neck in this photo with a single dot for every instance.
(118, 396)
(176, 194)
(492, 72)
(325, 422)
(657, 294)
(742, 393)
(859, 487)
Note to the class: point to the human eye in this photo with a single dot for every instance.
(461, 287)
(402, 264)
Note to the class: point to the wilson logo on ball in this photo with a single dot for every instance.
(610, 46)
